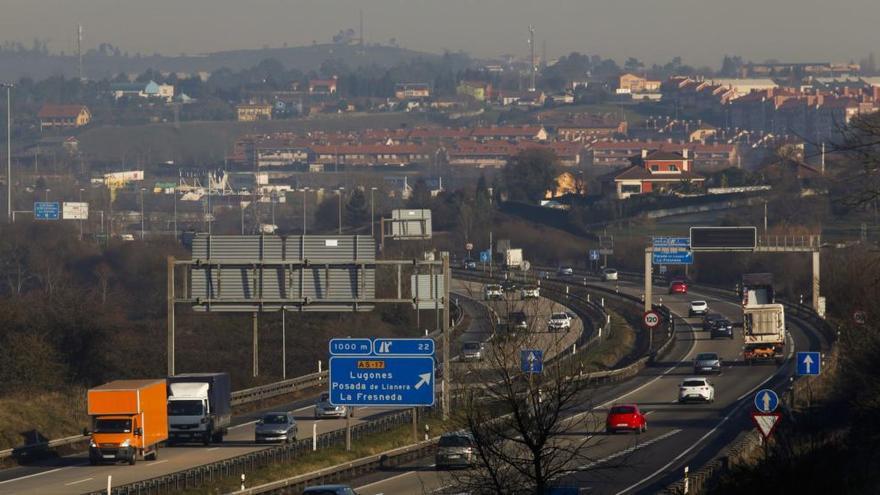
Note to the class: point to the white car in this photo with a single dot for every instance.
(493, 291)
(609, 274)
(530, 292)
(698, 308)
(696, 388)
(559, 321)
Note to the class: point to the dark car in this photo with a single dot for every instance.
(508, 286)
(329, 490)
(709, 320)
(469, 265)
(519, 320)
(721, 328)
(455, 449)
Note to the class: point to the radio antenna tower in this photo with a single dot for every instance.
(532, 59)
(79, 53)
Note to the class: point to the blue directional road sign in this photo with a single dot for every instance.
(531, 360)
(47, 210)
(403, 347)
(682, 257)
(809, 363)
(484, 256)
(382, 381)
(672, 242)
(594, 254)
(766, 401)
(351, 347)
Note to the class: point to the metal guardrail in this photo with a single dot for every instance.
(239, 397)
(349, 470)
(233, 467)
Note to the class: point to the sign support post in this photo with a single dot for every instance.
(170, 322)
(649, 297)
(256, 345)
(446, 368)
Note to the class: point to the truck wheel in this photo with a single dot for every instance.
(206, 440)
(93, 461)
(132, 459)
(154, 456)
(217, 438)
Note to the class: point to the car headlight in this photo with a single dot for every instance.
(92, 444)
(126, 443)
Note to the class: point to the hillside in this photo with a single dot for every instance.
(14, 65)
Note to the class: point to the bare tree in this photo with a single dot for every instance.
(529, 429)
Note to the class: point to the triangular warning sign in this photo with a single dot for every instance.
(766, 422)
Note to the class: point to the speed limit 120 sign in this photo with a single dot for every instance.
(651, 319)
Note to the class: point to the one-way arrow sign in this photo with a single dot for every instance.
(766, 401)
(808, 363)
(766, 422)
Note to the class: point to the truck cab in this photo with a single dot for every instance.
(199, 407)
(128, 420)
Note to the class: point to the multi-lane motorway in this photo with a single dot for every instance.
(677, 434)
(73, 474)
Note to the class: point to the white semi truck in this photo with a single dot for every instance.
(763, 333)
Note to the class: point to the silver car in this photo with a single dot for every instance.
(455, 449)
(472, 351)
(276, 427)
(324, 409)
(707, 362)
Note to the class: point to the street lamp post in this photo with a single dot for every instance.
(175, 211)
(8, 150)
(305, 192)
(81, 220)
(274, 199)
(339, 193)
(47, 194)
(372, 214)
(142, 212)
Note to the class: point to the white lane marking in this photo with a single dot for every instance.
(78, 482)
(401, 475)
(630, 449)
(212, 449)
(34, 475)
(158, 462)
(243, 424)
(713, 430)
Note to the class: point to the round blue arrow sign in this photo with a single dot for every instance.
(766, 401)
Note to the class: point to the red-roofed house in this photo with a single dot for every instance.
(534, 133)
(654, 171)
(323, 86)
(64, 116)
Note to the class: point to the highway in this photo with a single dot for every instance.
(677, 434)
(73, 474)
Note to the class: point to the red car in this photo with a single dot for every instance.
(678, 287)
(625, 417)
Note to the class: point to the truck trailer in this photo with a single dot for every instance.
(129, 420)
(757, 288)
(199, 407)
(764, 333)
(513, 259)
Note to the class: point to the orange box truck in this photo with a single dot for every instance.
(129, 420)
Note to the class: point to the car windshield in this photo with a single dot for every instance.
(724, 323)
(693, 383)
(325, 397)
(113, 426)
(275, 419)
(455, 441)
(559, 316)
(471, 346)
(493, 287)
(698, 303)
(623, 410)
(610, 270)
(185, 408)
(707, 356)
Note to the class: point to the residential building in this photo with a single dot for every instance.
(148, 89)
(412, 91)
(325, 87)
(654, 171)
(282, 156)
(365, 155)
(535, 133)
(253, 112)
(618, 154)
(478, 90)
(63, 116)
(631, 83)
(588, 128)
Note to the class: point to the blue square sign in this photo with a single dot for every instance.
(531, 360)
(809, 363)
(382, 381)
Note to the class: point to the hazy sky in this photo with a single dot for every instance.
(652, 30)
